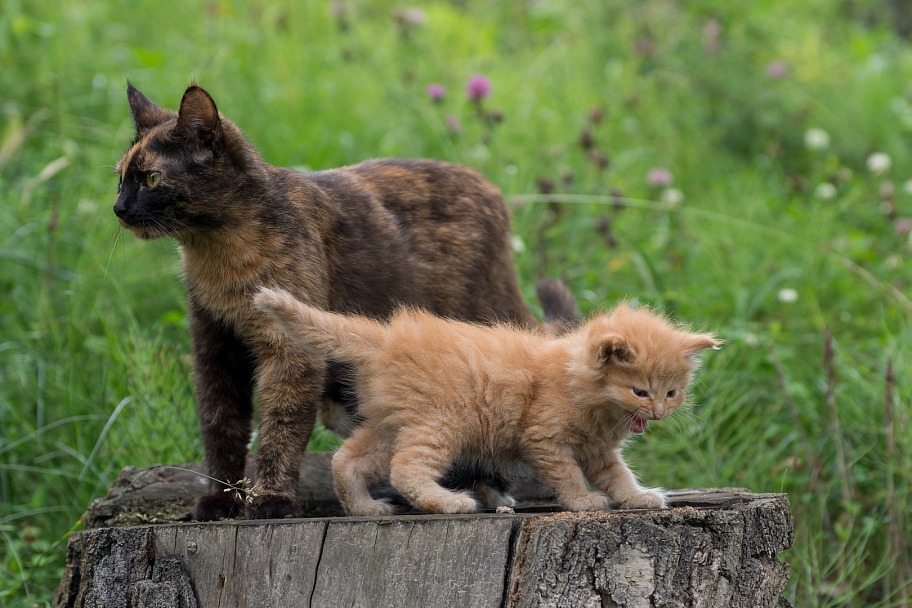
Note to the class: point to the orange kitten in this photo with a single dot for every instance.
(435, 391)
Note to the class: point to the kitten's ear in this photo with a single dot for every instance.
(694, 343)
(613, 349)
(145, 113)
(198, 117)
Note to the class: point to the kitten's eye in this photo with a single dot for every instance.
(671, 394)
(640, 393)
(153, 179)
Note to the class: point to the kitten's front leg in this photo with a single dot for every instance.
(289, 386)
(223, 370)
(610, 473)
(558, 468)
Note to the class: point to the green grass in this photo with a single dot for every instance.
(94, 368)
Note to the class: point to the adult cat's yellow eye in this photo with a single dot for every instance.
(153, 179)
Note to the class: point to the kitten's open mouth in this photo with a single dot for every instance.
(637, 424)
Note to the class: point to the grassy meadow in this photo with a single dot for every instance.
(743, 166)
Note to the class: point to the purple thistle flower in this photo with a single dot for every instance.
(478, 88)
(659, 177)
(777, 69)
(436, 92)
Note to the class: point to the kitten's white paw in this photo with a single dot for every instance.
(458, 503)
(491, 498)
(372, 508)
(647, 499)
(593, 501)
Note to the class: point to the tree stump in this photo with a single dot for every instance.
(711, 548)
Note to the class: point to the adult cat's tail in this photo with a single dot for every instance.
(341, 337)
(561, 312)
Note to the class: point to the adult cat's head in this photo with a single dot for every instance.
(184, 171)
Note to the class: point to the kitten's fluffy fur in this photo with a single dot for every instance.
(364, 238)
(434, 391)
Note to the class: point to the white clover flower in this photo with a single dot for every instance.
(672, 196)
(787, 295)
(879, 163)
(517, 244)
(751, 339)
(816, 139)
(825, 191)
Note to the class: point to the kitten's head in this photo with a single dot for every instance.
(637, 360)
(181, 169)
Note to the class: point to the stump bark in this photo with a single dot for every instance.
(711, 548)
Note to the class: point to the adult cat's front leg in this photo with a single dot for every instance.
(289, 386)
(223, 370)
(610, 473)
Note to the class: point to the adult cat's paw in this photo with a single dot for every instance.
(217, 506)
(646, 499)
(593, 501)
(272, 506)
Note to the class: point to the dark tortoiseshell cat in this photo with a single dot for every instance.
(361, 239)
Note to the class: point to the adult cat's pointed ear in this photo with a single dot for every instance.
(198, 117)
(145, 113)
(613, 349)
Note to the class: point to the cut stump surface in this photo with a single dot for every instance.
(711, 548)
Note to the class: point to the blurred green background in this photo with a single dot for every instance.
(744, 166)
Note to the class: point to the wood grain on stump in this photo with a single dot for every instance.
(711, 548)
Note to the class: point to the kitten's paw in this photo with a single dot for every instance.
(213, 507)
(492, 498)
(593, 501)
(446, 502)
(647, 499)
(458, 503)
(272, 506)
(372, 508)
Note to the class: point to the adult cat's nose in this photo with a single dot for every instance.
(120, 207)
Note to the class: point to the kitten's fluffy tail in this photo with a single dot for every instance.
(561, 312)
(341, 337)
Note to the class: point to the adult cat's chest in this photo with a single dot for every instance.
(223, 275)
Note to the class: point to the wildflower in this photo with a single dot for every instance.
(410, 17)
(879, 163)
(436, 92)
(545, 185)
(599, 159)
(777, 69)
(903, 225)
(672, 196)
(907, 186)
(517, 244)
(478, 88)
(825, 191)
(596, 115)
(887, 190)
(659, 177)
(751, 339)
(816, 139)
(712, 30)
(587, 140)
(452, 123)
(787, 295)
